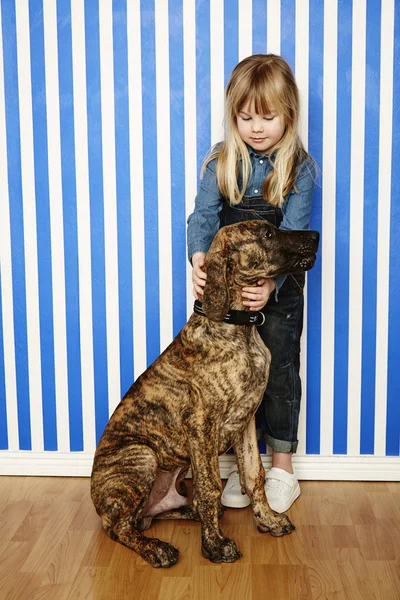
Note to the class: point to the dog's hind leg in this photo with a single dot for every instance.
(252, 478)
(186, 512)
(153, 550)
(120, 492)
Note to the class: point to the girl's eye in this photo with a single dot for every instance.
(270, 118)
(245, 118)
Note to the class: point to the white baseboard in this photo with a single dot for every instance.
(332, 468)
(309, 467)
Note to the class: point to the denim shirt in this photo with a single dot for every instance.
(204, 222)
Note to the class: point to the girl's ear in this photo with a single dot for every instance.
(216, 298)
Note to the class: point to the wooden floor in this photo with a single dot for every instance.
(346, 545)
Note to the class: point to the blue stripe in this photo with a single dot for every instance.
(124, 217)
(371, 176)
(315, 117)
(203, 92)
(342, 228)
(16, 221)
(231, 37)
(177, 127)
(39, 115)
(152, 285)
(259, 18)
(95, 149)
(288, 32)
(393, 384)
(3, 404)
(70, 225)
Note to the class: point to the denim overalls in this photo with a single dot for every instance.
(277, 417)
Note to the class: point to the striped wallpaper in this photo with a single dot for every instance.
(107, 109)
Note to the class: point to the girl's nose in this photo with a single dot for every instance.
(258, 125)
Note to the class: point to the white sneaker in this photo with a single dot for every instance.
(281, 488)
(232, 496)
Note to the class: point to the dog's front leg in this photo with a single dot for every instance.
(207, 489)
(252, 479)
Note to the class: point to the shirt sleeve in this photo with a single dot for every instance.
(203, 223)
(297, 207)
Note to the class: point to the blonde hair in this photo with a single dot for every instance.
(265, 82)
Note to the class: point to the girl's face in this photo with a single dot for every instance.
(260, 132)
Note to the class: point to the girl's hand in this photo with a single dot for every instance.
(198, 275)
(257, 297)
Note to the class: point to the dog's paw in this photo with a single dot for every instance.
(277, 525)
(224, 550)
(160, 554)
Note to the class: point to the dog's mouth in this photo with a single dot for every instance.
(302, 263)
(306, 262)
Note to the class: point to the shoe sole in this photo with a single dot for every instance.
(235, 504)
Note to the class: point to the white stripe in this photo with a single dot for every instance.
(164, 171)
(56, 223)
(383, 253)
(301, 68)
(6, 274)
(356, 226)
(274, 26)
(189, 66)
(83, 222)
(245, 29)
(328, 225)
(301, 72)
(29, 210)
(136, 178)
(217, 70)
(110, 201)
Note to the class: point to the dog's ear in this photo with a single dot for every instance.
(216, 294)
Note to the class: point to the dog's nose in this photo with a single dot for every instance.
(315, 236)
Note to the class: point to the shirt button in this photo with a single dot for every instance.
(256, 191)
(261, 162)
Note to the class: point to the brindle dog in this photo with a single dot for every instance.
(193, 403)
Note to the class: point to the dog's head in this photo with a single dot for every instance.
(243, 253)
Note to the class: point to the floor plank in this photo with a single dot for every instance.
(346, 545)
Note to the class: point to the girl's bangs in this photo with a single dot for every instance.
(261, 98)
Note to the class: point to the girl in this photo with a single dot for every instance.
(261, 171)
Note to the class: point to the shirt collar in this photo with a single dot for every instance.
(256, 154)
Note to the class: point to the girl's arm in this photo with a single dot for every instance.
(297, 207)
(203, 224)
(198, 275)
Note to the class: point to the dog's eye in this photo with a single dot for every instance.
(268, 233)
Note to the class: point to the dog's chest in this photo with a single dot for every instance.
(234, 363)
(248, 378)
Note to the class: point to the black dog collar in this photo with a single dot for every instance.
(235, 317)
